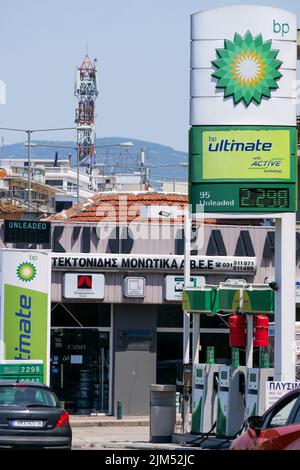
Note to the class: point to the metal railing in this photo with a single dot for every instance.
(37, 174)
(38, 204)
(61, 170)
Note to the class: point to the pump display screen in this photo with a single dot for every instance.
(252, 377)
(199, 372)
(223, 375)
(264, 197)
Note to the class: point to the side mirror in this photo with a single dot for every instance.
(255, 423)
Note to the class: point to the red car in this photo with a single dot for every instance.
(277, 429)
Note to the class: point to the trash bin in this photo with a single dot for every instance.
(162, 412)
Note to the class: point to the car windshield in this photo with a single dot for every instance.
(22, 395)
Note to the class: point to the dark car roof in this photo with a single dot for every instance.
(28, 383)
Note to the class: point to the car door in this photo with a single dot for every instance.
(280, 429)
(291, 438)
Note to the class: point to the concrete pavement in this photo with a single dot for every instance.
(109, 437)
(122, 437)
(108, 421)
(106, 432)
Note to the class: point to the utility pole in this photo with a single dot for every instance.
(77, 189)
(29, 169)
(142, 156)
(186, 316)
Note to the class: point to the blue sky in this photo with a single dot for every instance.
(142, 47)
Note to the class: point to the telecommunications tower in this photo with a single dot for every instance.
(86, 91)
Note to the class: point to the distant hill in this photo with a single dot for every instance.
(164, 162)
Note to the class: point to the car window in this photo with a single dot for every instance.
(7, 396)
(45, 397)
(23, 396)
(279, 416)
(39, 397)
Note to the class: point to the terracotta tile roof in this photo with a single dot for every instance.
(121, 207)
(130, 207)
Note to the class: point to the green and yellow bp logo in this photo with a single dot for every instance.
(247, 68)
(26, 272)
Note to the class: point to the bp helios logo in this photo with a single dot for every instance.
(26, 271)
(247, 68)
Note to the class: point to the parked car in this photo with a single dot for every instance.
(32, 417)
(277, 429)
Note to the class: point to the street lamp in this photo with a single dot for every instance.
(29, 132)
(125, 144)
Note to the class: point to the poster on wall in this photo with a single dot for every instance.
(174, 286)
(134, 286)
(83, 285)
(25, 306)
(276, 390)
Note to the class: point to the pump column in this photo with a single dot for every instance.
(186, 315)
(285, 274)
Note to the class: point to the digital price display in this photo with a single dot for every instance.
(27, 231)
(22, 370)
(277, 198)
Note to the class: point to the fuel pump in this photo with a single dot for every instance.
(231, 386)
(231, 398)
(256, 390)
(187, 390)
(198, 396)
(258, 377)
(205, 388)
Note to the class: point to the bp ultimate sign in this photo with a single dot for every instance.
(242, 145)
(25, 307)
(241, 170)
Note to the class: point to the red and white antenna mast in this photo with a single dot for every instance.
(86, 91)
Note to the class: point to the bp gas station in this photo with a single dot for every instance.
(243, 163)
